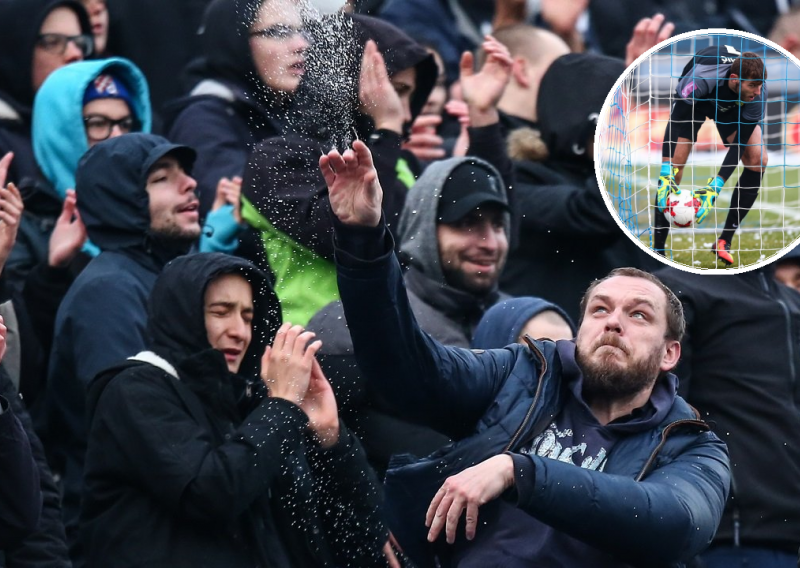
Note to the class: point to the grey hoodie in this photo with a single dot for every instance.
(417, 228)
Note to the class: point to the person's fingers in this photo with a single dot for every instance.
(472, 520)
(666, 32)
(434, 506)
(452, 516)
(280, 337)
(391, 558)
(426, 122)
(14, 195)
(291, 338)
(5, 163)
(466, 65)
(327, 171)
(429, 154)
(300, 343)
(336, 161)
(440, 517)
(422, 139)
(311, 351)
(265, 361)
(363, 154)
(641, 28)
(652, 28)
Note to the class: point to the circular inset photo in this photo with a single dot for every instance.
(697, 151)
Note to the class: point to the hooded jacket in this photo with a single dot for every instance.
(224, 475)
(659, 499)
(103, 316)
(286, 198)
(20, 23)
(59, 141)
(740, 367)
(503, 323)
(228, 109)
(448, 314)
(59, 134)
(565, 226)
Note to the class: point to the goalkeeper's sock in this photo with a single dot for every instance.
(744, 196)
(660, 232)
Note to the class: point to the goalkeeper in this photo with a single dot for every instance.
(729, 88)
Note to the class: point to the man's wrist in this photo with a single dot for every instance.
(395, 125)
(483, 117)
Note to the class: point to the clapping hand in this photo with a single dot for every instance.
(287, 364)
(319, 404)
(69, 233)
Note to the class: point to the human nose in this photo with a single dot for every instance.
(613, 322)
(239, 328)
(72, 52)
(188, 183)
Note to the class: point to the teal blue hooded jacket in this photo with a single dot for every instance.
(59, 137)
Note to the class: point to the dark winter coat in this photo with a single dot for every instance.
(20, 493)
(19, 30)
(740, 367)
(567, 235)
(190, 465)
(46, 546)
(102, 318)
(660, 498)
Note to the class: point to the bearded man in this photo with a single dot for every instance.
(598, 461)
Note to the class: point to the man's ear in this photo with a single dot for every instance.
(520, 70)
(671, 356)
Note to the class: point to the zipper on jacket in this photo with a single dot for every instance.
(528, 414)
(789, 337)
(664, 434)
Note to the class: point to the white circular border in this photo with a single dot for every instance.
(607, 198)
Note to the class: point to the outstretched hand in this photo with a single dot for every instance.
(483, 90)
(229, 191)
(353, 187)
(647, 33)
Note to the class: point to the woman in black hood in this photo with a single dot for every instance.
(285, 194)
(36, 38)
(240, 90)
(192, 461)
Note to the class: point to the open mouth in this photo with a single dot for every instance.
(191, 207)
(232, 354)
(298, 68)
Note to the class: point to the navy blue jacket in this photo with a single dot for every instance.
(20, 495)
(103, 317)
(659, 500)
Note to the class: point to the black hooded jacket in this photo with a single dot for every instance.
(283, 180)
(46, 546)
(228, 109)
(190, 465)
(102, 319)
(565, 226)
(740, 367)
(20, 22)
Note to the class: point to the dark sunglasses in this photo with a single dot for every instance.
(57, 43)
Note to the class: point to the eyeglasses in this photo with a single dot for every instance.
(280, 32)
(57, 43)
(99, 127)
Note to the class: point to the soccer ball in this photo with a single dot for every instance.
(681, 208)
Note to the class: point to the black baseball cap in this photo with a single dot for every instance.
(469, 186)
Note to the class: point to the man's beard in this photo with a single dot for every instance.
(607, 379)
(456, 278)
(178, 236)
